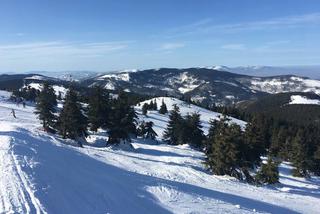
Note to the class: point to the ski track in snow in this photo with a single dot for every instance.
(40, 173)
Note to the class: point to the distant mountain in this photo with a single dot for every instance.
(204, 85)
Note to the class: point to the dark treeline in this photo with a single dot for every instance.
(112, 113)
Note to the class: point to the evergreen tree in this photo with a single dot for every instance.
(145, 108)
(150, 133)
(122, 120)
(191, 131)
(268, 173)
(163, 108)
(155, 106)
(141, 130)
(316, 162)
(172, 132)
(72, 122)
(223, 157)
(98, 109)
(254, 143)
(46, 107)
(300, 159)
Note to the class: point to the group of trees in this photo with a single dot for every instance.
(181, 130)
(236, 152)
(153, 106)
(74, 120)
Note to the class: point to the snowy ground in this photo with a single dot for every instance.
(40, 173)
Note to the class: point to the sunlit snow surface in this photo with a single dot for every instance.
(298, 99)
(42, 173)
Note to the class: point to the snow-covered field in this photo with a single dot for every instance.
(298, 99)
(40, 173)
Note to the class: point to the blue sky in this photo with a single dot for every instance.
(104, 35)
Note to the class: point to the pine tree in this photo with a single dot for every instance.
(72, 122)
(316, 161)
(300, 159)
(150, 133)
(145, 108)
(172, 132)
(141, 130)
(268, 173)
(253, 143)
(46, 107)
(163, 108)
(155, 106)
(122, 121)
(223, 157)
(191, 131)
(98, 109)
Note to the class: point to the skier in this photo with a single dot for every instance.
(24, 104)
(13, 113)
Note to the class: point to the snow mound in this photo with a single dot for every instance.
(298, 99)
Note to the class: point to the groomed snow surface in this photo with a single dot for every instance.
(42, 173)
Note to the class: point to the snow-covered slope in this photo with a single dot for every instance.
(161, 120)
(298, 99)
(57, 88)
(40, 173)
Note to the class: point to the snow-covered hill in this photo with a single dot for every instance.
(217, 84)
(42, 173)
(161, 120)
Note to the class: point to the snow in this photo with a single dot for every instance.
(277, 85)
(298, 99)
(188, 82)
(42, 173)
(57, 88)
(160, 121)
(118, 76)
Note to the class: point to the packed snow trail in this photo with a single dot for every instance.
(41, 173)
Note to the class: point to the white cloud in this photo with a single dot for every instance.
(59, 48)
(171, 46)
(208, 26)
(234, 47)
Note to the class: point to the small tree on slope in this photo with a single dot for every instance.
(172, 132)
(122, 121)
(268, 173)
(72, 122)
(46, 107)
(163, 108)
(98, 109)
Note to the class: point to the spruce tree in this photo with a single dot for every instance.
(300, 159)
(141, 130)
(72, 122)
(191, 131)
(268, 173)
(172, 132)
(155, 105)
(163, 108)
(223, 157)
(122, 121)
(98, 109)
(145, 108)
(46, 106)
(253, 143)
(149, 132)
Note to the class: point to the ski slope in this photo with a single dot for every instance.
(42, 173)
